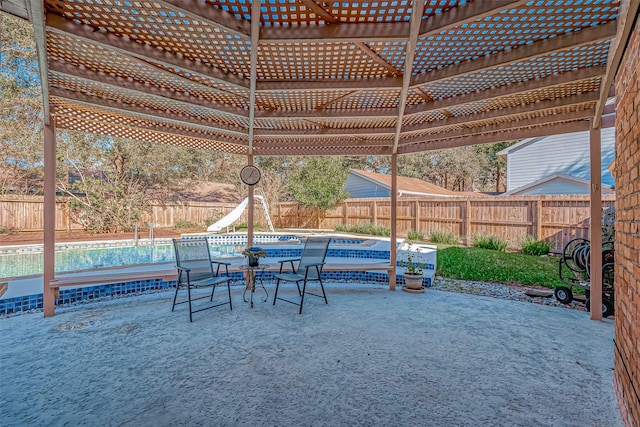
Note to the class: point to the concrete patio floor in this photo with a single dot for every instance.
(369, 357)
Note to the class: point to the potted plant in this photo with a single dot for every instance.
(412, 273)
(253, 255)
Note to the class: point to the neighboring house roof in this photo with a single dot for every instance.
(409, 186)
(531, 188)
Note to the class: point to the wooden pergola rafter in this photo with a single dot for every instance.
(323, 78)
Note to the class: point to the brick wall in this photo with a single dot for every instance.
(627, 226)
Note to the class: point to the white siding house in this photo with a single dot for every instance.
(557, 164)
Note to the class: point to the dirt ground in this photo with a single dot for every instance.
(30, 238)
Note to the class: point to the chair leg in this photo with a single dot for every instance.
(190, 310)
(229, 291)
(175, 296)
(275, 295)
(304, 288)
(323, 293)
(213, 289)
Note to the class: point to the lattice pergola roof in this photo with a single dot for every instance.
(285, 77)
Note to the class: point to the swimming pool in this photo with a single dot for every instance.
(29, 260)
(24, 264)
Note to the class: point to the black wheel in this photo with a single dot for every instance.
(563, 294)
(607, 307)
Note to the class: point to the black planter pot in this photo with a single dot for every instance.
(253, 261)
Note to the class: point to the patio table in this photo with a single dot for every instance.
(251, 276)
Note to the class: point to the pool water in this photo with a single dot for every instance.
(18, 264)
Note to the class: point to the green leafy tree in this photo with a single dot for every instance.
(110, 204)
(21, 150)
(320, 182)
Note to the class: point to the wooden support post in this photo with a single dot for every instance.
(250, 212)
(49, 220)
(595, 230)
(394, 234)
(416, 207)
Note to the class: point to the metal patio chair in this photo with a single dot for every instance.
(196, 271)
(307, 268)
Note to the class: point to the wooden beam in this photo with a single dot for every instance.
(626, 17)
(377, 58)
(515, 124)
(416, 17)
(126, 46)
(322, 13)
(339, 98)
(510, 90)
(106, 81)
(595, 231)
(116, 107)
(204, 12)
(37, 17)
(49, 218)
(338, 33)
(327, 113)
(487, 138)
(521, 53)
(372, 83)
(253, 71)
(322, 151)
(533, 107)
(166, 136)
(251, 207)
(465, 13)
(459, 120)
(394, 221)
(291, 143)
(159, 128)
(387, 31)
(325, 131)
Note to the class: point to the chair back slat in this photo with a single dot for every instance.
(194, 254)
(314, 252)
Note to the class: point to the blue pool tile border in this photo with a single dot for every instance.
(69, 296)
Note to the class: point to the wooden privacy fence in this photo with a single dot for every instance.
(557, 219)
(25, 213)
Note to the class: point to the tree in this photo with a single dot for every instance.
(21, 151)
(494, 176)
(320, 182)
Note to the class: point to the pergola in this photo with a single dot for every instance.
(305, 77)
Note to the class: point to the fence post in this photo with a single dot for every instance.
(68, 204)
(539, 219)
(345, 213)
(416, 217)
(467, 223)
(374, 207)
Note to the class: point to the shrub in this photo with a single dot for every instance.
(531, 246)
(7, 230)
(443, 236)
(487, 241)
(183, 225)
(415, 236)
(364, 228)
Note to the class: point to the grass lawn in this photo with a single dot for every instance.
(492, 266)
